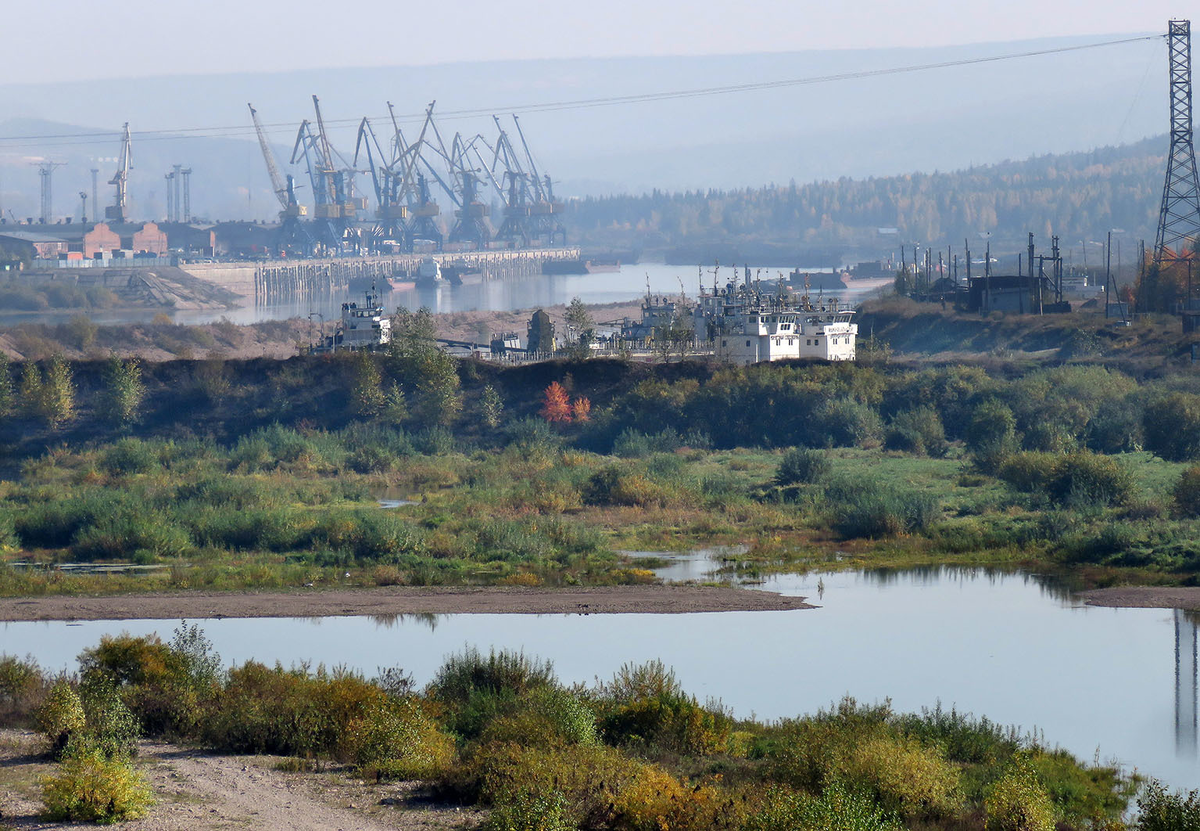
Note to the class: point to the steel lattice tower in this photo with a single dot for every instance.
(1179, 217)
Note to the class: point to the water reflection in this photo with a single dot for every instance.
(1010, 646)
(1185, 684)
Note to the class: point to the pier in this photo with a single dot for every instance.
(285, 280)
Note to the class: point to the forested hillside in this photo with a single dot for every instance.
(1077, 196)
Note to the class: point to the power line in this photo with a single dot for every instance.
(66, 139)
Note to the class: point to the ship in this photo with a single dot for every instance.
(751, 322)
(363, 326)
(429, 273)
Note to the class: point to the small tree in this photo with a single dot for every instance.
(366, 394)
(57, 400)
(491, 406)
(124, 390)
(395, 406)
(581, 409)
(580, 322)
(30, 389)
(556, 405)
(6, 386)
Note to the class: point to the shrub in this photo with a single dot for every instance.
(1028, 471)
(837, 809)
(129, 455)
(1172, 426)
(529, 812)
(917, 431)
(991, 434)
(1018, 802)
(1086, 478)
(396, 737)
(864, 508)
(633, 444)
(21, 683)
(802, 465)
(645, 705)
(475, 689)
(1159, 810)
(60, 716)
(92, 787)
(845, 422)
(1187, 492)
(545, 717)
(909, 777)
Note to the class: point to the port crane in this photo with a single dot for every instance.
(530, 209)
(117, 211)
(292, 233)
(334, 210)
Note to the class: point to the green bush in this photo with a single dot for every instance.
(475, 689)
(1018, 802)
(1028, 471)
(645, 706)
(1187, 492)
(864, 508)
(1160, 810)
(128, 456)
(1172, 426)
(60, 716)
(838, 808)
(396, 737)
(845, 422)
(21, 685)
(802, 465)
(918, 431)
(1087, 478)
(92, 787)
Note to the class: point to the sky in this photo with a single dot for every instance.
(138, 38)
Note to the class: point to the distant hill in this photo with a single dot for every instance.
(1078, 196)
(934, 120)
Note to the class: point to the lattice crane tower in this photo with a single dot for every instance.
(1179, 217)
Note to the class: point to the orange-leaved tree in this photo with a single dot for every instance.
(581, 409)
(556, 405)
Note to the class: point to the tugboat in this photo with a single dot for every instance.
(364, 326)
(429, 273)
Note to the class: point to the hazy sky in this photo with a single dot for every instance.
(88, 39)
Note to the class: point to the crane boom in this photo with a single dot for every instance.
(277, 183)
(121, 178)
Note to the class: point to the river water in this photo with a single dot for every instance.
(1109, 684)
(627, 284)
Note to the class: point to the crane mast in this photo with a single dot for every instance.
(117, 211)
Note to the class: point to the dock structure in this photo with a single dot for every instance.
(286, 280)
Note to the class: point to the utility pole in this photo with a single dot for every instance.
(1179, 215)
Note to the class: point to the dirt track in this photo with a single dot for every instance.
(1145, 597)
(398, 600)
(198, 790)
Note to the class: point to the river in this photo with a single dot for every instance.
(1110, 684)
(627, 284)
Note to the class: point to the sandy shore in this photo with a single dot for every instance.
(1145, 597)
(399, 601)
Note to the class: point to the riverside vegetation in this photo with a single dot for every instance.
(259, 473)
(499, 731)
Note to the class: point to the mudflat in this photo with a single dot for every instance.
(1145, 597)
(398, 600)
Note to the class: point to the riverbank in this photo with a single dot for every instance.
(1145, 597)
(397, 600)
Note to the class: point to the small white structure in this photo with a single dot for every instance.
(429, 272)
(759, 335)
(751, 323)
(363, 326)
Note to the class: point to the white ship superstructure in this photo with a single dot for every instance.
(748, 325)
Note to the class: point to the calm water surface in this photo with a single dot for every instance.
(1099, 682)
(629, 283)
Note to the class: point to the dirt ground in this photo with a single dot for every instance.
(398, 600)
(197, 790)
(1145, 597)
